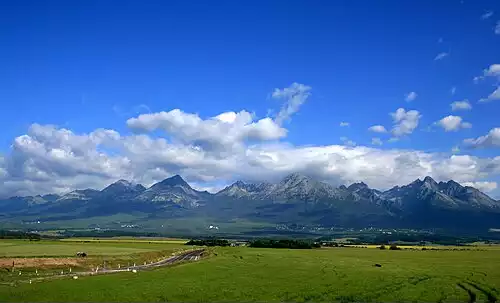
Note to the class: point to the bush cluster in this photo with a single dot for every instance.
(292, 244)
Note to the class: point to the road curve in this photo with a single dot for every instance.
(193, 255)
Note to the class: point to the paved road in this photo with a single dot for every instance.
(193, 255)
(186, 256)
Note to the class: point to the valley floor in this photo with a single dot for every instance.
(328, 274)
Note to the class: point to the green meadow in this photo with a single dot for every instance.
(317, 275)
(93, 247)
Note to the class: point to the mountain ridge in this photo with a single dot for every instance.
(295, 198)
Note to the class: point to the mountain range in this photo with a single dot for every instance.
(296, 199)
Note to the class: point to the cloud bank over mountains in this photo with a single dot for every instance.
(211, 152)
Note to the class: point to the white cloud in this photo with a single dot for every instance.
(492, 71)
(453, 123)
(495, 95)
(455, 149)
(453, 90)
(227, 130)
(376, 141)
(483, 186)
(487, 15)
(405, 122)
(295, 96)
(441, 56)
(466, 125)
(492, 139)
(347, 142)
(477, 79)
(461, 105)
(52, 159)
(344, 124)
(377, 129)
(411, 96)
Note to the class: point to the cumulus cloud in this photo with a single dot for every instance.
(487, 15)
(376, 141)
(377, 129)
(411, 96)
(495, 95)
(347, 142)
(225, 131)
(484, 186)
(453, 123)
(461, 105)
(492, 71)
(344, 124)
(405, 122)
(294, 97)
(51, 159)
(491, 139)
(441, 56)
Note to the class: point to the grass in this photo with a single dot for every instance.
(127, 240)
(248, 274)
(47, 258)
(25, 248)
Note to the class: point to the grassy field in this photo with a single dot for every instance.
(24, 259)
(148, 240)
(249, 274)
(24, 248)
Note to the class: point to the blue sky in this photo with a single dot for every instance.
(81, 66)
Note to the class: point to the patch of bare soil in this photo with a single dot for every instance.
(39, 262)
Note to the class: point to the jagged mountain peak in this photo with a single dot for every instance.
(239, 183)
(175, 180)
(123, 182)
(357, 186)
(427, 182)
(174, 190)
(294, 176)
(429, 179)
(123, 186)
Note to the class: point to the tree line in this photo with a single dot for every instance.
(8, 234)
(208, 242)
(291, 244)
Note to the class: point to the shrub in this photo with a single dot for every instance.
(291, 244)
(394, 247)
(209, 242)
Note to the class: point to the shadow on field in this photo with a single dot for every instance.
(487, 292)
(472, 295)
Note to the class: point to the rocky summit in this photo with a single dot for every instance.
(296, 199)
